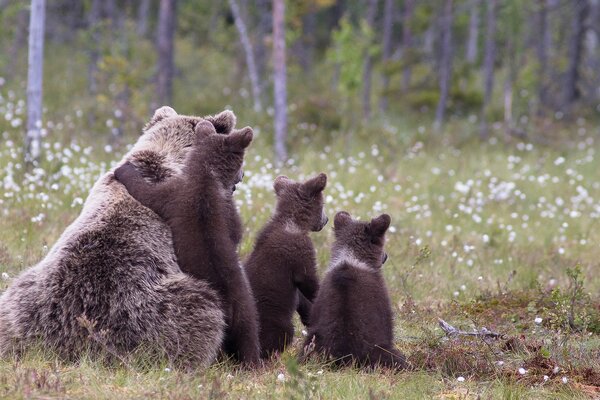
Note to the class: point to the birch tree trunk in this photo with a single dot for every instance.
(388, 21)
(279, 80)
(35, 80)
(473, 37)
(250, 61)
(166, 33)
(409, 8)
(488, 66)
(368, 63)
(445, 64)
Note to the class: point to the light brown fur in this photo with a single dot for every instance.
(115, 264)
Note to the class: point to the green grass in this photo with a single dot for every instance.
(453, 258)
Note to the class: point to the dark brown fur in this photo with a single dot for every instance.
(198, 207)
(282, 267)
(351, 319)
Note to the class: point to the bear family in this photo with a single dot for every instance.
(282, 267)
(115, 266)
(198, 207)
(351, 319)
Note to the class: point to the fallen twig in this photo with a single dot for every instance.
(483, 332)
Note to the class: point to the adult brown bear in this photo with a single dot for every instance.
(115, 265)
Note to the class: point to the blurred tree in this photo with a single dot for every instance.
(250, 60)
(263, 29)
(488, 65)
(279, 80)
(542, 50)
(445, 68)
(473, 38)
(94, 17)
(407, 39)
(571, 89)
(34, 81)
(388, 14)
(368, 62)
(142, 17)
(167, 19)
(19, 38)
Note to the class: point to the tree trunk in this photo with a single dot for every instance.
(279, 80)
(250, 62)
(368, 63)
(488, 65)
(263, 29)
(508, 87)
(142, 18)
(409, 8)
(571, 91)
(473, 37)
(388, 21)
(18, 41)
(542, 52)
(166, 33)
(445, 64)
(94, 54)
(309, 25)
(34, 81)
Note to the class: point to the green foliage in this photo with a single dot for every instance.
(572, 309)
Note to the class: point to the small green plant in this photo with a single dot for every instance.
(572, 308)
(299, 385)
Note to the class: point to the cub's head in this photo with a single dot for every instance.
(300, 204)
(359, 243)
(223, 154)
(166, 140)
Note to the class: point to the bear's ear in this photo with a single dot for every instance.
(315, 185)
(378, 226)
(281, 182)
(341, 219)
(159, 115)
(238, 140)
(204, 129)
(224, 122)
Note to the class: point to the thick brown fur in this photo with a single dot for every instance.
(115, 265)
(282, 267)
(351, 319)
(198, 207)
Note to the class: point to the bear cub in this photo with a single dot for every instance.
(198, 207)
(351, 319)
(282, 268)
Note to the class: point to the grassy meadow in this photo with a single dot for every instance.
(502, 236)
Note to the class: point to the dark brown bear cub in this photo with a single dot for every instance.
(351, 319)
(282, 267)
(198, 207)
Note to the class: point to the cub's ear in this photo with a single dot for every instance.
(238, 140)
(315, 185)
(160, 114)
(204, 129)
(281, 182)
(341, 219)
(378, 226)
(224, 122)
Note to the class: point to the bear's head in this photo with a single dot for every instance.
(166, 140)
(224, 154)
(359, 243)
(300, 204)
